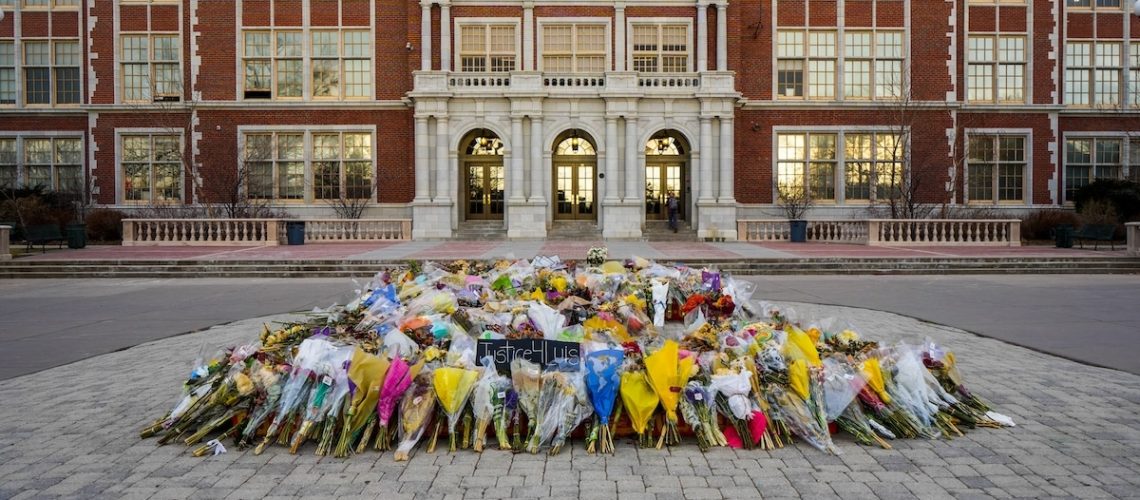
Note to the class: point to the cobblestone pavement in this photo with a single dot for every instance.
(72, 432)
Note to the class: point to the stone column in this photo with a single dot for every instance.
(632, 173)
(702, 36)
(528, 36)
(722, 36)
(423, 160)
(706, 168)
(425, 36)
(515, 181)
(727, 193)
(6, 253)
(619, 38)
(612, 155)
(537, 172)
(443, 174)
(444, 36)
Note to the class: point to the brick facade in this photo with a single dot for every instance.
(942, 112)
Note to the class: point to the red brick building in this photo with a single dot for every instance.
(540, 112)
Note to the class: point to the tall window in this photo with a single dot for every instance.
(54, 163)
(807, 161)
(574, 48)
(342, 163)
(152, 168)
(487, 47)
(661, 48)
(150, 68)
(275, 165)
(996, 168)
(51, 72)
(1088, 159)
(1093, 73)
(1134, 74)
(339, 64)
(873, 166)
(872, 65)
(996, 71)
(7, 72)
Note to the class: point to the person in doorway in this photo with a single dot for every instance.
(673, 206)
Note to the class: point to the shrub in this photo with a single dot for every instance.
(1122, 196)
(104, 224)
(1039, 224)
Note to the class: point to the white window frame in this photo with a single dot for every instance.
(1092, 5)
(151, 95)
(1027, 178)
(308, 131)
(120, 172)
(306, 58)
(53, 78)
(540, 41)
(486, 22)
(14, 68)
(659, 23)
(19, 137)
(1129, 157)
(840, 162)
(1123, 84)
(995, 63)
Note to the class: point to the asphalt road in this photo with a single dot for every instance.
(48, 323)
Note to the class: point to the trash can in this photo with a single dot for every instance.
(1064, 235)
(295, 232)
(76, 235)
(799, 231)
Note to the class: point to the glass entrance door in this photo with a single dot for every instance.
(660, 180)
(574, 192)
(484, 192)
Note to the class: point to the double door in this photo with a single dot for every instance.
(660, 180)
(484, 191)
(574, 191)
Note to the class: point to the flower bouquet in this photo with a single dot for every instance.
(696, 406)
(527, 379)
(640, 401)
(596, 256)
(453, 386)
(603, 379)
(416, 409)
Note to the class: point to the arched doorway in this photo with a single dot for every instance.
(575, 177)
(482, 170)
(666, 171)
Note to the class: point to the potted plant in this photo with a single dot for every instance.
(795, 203)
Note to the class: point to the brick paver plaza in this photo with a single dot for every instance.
(72, 431)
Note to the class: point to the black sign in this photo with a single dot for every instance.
(541, 352)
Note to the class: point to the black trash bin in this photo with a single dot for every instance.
(295, 232)
(76, 235)
(1064, 235)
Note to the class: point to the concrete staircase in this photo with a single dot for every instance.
(480, 230)
(658, 230)
(574, 231)
(342, 268)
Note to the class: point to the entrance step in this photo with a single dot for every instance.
(574, 230)
(658, 230)
(481, 230)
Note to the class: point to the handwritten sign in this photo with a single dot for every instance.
(541, 352)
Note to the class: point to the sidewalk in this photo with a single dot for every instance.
(449, 250)
(72, 432)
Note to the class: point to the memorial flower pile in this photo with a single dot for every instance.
(538, 354)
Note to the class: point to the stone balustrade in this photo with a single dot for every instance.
(1132, 233)
(891, 232)
(623, 83)
(257, 232)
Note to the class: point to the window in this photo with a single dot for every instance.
(807, 161)
(51, 72)
(152, 168)
(339, 62)
(1134, 75)
(872, 65)
(996, 71)
(574, 48)
(1088, 159)
(996, 169)
(151, 68)
(1093, 73)
(340, 165)
(53, 163)
(275, 166)
(7, 72)
(661, 48)
(873, 166)
(487, 47)
(54, 4)
(1093, 4)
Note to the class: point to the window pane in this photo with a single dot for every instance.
(1107, 152)
(981, 182)
(821, 44)
(326, 78)
(822, 180)
(288, 44)
(291, 180)
(291, 146)
(289, 82)
(356, 44)
(822, 78)
(889, 44)
(258, 147)
(1078, 151)
(67, 85)
(260, 179)
(857, 79)
(790, 78)
(326, 180)
(981, 48)
(326, 146)
(592, 38)
(857, 44)
(1011, 182)
(789, 44)
(68, 152)
(357, 146)
(37, 151)
(36, 54)
(257, 44)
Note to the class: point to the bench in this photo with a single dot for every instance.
(42, 234)
(1097, 233)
